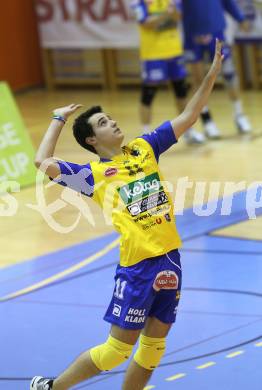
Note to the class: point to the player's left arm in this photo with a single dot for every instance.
(194, 107)
(233, 9)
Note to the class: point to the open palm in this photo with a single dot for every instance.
(67, 110)
(218, 57)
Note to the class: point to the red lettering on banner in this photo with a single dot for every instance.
(86, 6)
(118, 9)
(45, 11)
(65, 13)
(109, 8)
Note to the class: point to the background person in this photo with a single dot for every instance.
(203, 22)
(161, 54)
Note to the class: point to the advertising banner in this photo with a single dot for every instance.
(16, 150)
(86, 24)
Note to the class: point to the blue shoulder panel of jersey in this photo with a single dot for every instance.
(77, 177)
(233, 9)
(161, 139)
(140, 9)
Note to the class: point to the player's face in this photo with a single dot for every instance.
(106, 130)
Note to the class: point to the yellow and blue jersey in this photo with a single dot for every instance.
(163, 43)
(130, 189)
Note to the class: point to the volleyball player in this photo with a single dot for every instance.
(148, 279)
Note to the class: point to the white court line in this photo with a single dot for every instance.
(174, 377)
(60, 275)
(206, 365)
(234, 354)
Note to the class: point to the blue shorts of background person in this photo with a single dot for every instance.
(157, 71)
(149, 288)
(196, 51)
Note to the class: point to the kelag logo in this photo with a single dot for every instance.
(140, 188)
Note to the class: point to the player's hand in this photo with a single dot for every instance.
(245, 26)
(173, 12)
(218, 58)
(67, 110)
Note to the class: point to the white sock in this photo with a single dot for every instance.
(238, 107)
(205, 110)
(146, 128)
(188, 132)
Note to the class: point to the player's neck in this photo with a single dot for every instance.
(106, 153)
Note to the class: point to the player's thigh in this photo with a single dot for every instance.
(197, 72)
(156, 328)
(128, 336)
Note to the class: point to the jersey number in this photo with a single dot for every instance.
(120, 288)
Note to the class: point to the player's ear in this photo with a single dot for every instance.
(91, 140)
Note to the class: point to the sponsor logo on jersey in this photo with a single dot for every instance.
(146, 157)
(167, 217)
(149, 225)
(166, 280)
(110, 172)
(134, 169)
(134, 209)
(148, 203)
(140, 188)
(160, 210)
(135, 151)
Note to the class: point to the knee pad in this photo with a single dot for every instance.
(229, 72)
(180, 88)
(110, 354)
(150, 352)
(148, 94)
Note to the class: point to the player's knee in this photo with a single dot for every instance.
(110, 354)
(231, 80)
(150, 352)
(147, 94)
(229, 73)
(180, 88)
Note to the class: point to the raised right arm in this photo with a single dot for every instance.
(47, 146)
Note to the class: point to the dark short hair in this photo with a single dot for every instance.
(83, 129)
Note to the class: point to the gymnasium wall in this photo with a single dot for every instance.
(20, 56)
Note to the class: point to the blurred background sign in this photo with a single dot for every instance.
(109, 23)
(16, 150)
(86, 24)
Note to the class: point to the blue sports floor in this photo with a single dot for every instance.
(51, 309)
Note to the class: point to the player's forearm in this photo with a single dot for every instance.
(194, 107)
(154, 21)
(200, 98)
(47, 147)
